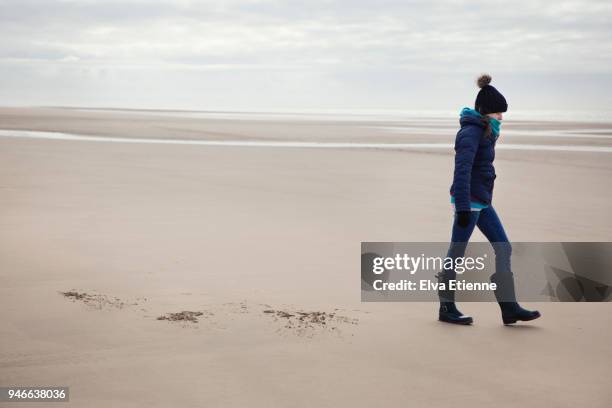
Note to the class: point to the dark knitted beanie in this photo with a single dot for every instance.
(489, 99)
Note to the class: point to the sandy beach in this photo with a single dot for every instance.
(261, 243)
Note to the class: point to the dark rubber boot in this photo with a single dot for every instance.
(448, 310)
(450, 314)
(511, 311)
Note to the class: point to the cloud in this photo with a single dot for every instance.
(317, 38)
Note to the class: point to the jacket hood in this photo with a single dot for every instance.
(472, 117)
(469, 116)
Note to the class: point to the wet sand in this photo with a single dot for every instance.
(202, 275)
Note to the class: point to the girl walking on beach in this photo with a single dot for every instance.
(471, 195)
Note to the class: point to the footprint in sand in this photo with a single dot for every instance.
(99, 301)
(184, 316)
(308, 324)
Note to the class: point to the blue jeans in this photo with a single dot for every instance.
(490, 225)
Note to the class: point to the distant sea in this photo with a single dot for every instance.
(371, 114)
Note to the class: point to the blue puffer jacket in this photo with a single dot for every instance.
(474, 154)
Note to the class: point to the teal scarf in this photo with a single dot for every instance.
(495, 124)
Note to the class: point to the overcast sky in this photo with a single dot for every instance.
(309, 54)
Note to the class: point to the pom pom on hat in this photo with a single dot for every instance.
(483, 80)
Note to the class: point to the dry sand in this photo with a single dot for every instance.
(228, 276)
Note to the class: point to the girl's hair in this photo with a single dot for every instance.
(488, 132)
